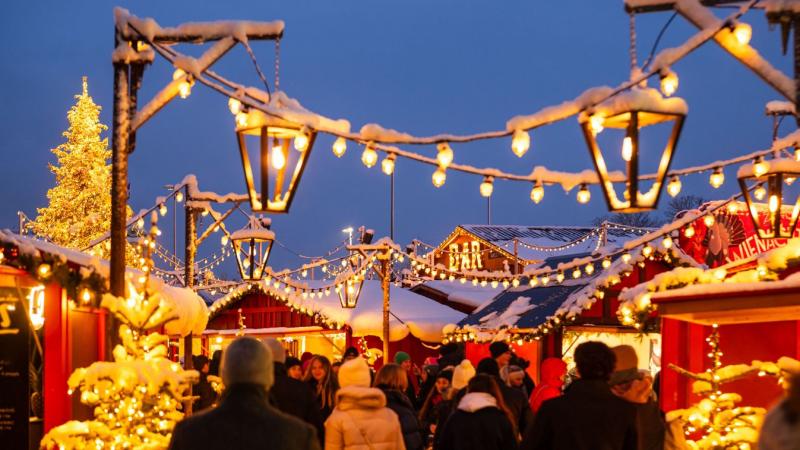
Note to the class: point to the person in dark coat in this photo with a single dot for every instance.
(588, 416)
(213, 366)
(462, 374)
(293, 396)
(481, 420)
(515, 400)
(452, 355)
(203, 389)
(636, 387)
(392, 380)
(244, 418)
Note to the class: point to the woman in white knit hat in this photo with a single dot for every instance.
(361, 420)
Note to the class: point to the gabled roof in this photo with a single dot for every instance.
(536, 243)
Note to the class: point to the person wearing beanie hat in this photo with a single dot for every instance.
(515, 401)
(290, 395)
(361, 419)
(636, 387)
(403, 359)
(294, 368)
(501, 353)
(516, 379)
(431, 407)
(462, 374)
(350, 353)
(244, 417)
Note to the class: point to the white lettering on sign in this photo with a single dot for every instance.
(5, 319)
(465, 256)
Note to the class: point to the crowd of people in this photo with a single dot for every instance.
(276, 401)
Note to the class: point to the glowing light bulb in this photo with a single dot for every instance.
(277, 158)
(584, 195)
(759, 193)
(674, 186)
(576, 273)
(537, 193)
(234, 105)
(387, 165)
(667, 242)
(162, 209)
(743, 32)
(487, 187)
(560, 276)
(44, 270)
(606, 263)
(709, 220)
(626, 257)
(179, 197)
(717, 178)
(596, 124)
(627, 148)
(185, 85)
(789, 180)
(520, 142)
(797, 154)
(589, 269)
(760, 167)
(444, 155)
(689, 231)
(733, 208)
(339, 147)
(669, 83)
(438, 178)
(224, 239)
(369, 157)
(773, 203)
(241, 119)
(301, 140)
(647, 250)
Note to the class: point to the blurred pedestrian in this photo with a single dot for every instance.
(213, 366)
(292, 396)
(403, 359)
(349, 354)
(244, 417)
(429, 413)
(203, 389)
(462, 374)
(501, 354)
(553, 373)
(781, 428)
(516, 379)
(361, 420)
(588, 416)
(323, 383)
(391, 379)
(294, 368)
(514, 400)
(481, 420)
(636, 387)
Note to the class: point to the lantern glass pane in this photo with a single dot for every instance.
(773, 202)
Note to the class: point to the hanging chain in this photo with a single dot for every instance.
(277, 64)
(632, 48)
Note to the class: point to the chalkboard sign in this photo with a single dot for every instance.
(14, 375)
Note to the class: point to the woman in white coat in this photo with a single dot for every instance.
(361, 420)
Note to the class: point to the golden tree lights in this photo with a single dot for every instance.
(768, 219)
(632, 120)
(280, 169)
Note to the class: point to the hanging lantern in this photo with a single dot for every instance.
(632, 111)
(768, 219)
(251, 246)
(350, 291)
(284, 148)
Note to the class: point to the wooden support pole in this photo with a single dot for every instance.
(385, 274)
(191, 252)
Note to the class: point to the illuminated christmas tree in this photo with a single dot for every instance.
(717, 421)
(79, 208)
(136, 398)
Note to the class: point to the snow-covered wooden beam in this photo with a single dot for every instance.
(697, 13)
(132, 28)
(192, 67)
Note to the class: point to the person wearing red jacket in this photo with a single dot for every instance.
(552, 380)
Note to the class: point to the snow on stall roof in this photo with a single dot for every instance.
(465, 294)
(510, 315)
(533, 240)
(411, 313)
(190, 308)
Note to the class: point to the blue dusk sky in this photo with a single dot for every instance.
(424, 67)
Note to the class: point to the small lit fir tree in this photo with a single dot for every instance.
(79, 208)
(137, 398)
(716, 422)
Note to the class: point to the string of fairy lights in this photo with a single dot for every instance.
(376, 139)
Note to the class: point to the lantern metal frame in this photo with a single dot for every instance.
(272, 130)
(347, 299)
(774, 181)
(259, 240)
(632, 121)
